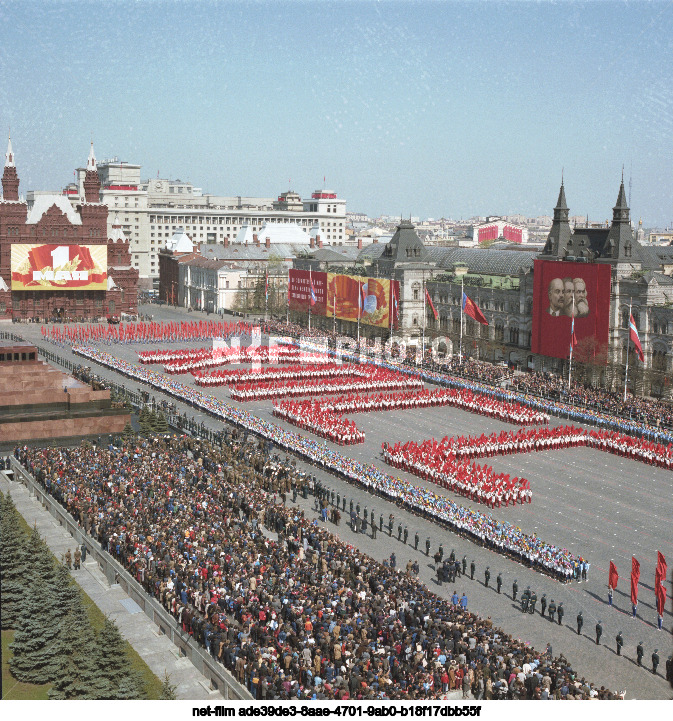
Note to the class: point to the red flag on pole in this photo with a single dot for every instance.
(659, 578)
(661, 564)
(635, 338)
(660, 592)
(613, 576)
(635, 577)
(434, 312)
(472, 309)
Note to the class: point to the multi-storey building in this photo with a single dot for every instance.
(150, 211)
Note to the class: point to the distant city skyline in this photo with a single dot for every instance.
(430, 109)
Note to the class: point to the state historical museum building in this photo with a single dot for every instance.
(57, 261)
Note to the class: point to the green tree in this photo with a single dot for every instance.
(128, 432)
(144, 420)
(259, 298)
(38, 638)
(75, 675)
(162, 423)
(152, 422)
(168, 690)
(42, 565)
(15, 568)
(115, 677)
(66, 593)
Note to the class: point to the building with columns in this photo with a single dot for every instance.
(58, 261)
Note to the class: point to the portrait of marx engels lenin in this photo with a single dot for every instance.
(568, 297)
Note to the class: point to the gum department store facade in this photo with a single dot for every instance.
(500, 282)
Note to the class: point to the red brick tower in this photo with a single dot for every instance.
(92, 211)
(12, 222)
(10, 180)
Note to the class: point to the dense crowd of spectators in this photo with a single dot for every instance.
(304, 616)
(649, 411)
(503, 537)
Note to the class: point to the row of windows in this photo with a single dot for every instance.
(183, 220)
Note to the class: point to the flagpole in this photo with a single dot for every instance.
(425, 312)
(334, 309)
(628, 344)
(572, 333)
(462, 299)
(390, 309)
(266, 296)
(310, 290)
(359, 310)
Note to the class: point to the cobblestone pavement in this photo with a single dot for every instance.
(593, 503)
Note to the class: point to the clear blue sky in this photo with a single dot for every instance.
(424, 108)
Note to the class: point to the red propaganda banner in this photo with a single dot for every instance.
(613, 576)
(59, 267)
(563, 291)
(299, 291)
(350, 296)
(635, 577)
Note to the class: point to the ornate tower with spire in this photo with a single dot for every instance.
(92, 211)
(10, 180)
(620, 248)
(91, 180)
(560, 234)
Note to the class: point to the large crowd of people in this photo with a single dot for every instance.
(322, 421)
(323, 417)
(503, 537)
(288, 373)
(145, 332)
(376, 379)
(304, 616)
(547, 392)
(647, 416)
(431, 461)
(185, 360)
(509, 442)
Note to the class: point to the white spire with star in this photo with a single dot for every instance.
(9, 155)
(91, 162)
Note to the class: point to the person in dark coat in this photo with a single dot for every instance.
(580, 623)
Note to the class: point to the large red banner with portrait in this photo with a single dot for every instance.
(564, 291)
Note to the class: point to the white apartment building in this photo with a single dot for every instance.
(150, 211)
